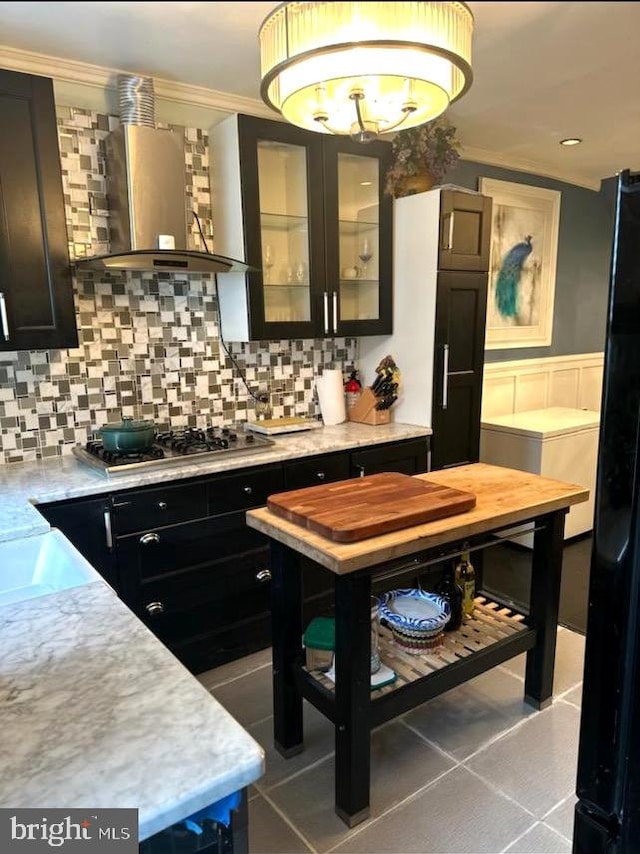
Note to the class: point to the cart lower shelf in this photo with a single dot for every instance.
(490, 624)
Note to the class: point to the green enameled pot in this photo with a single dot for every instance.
(128, 436)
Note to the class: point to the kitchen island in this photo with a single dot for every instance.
(504, 498)
(96, 713)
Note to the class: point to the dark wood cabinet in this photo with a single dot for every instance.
(461, 305)
(86, 522)
(465, 231)
(313, 219)
(181, 556)
(36, 297)
(409, 457)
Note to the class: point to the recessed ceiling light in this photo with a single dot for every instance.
(573, 140)
(365, 183)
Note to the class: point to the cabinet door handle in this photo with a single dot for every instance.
(326, 312)
(162, 505)
(121, 504)
(3, 317)
(247, 490)
(153, 609)
(445, 376)
(320, 475)
(149, 539)
(449, 245)
(107, 528)
(335, 311)
(263, 576)
(360, 469)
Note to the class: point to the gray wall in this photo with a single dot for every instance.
(584, 251)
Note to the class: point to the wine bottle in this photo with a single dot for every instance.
(450, 590)
(466, 578)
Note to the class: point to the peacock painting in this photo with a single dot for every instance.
(508, 280)
(522, 267)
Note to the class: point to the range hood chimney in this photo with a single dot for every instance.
(146, 193)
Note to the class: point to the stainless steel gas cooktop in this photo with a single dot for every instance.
(173, 447)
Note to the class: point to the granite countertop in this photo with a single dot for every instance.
(95, 712)
(24, 484)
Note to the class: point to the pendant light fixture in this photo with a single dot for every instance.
(363, 69)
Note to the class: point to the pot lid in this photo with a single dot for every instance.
(128, 425)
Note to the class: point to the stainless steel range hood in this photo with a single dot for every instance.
(146, 192)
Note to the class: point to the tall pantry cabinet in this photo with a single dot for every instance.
(441, 262)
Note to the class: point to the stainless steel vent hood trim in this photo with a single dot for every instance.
(146, 188)
(165, 261)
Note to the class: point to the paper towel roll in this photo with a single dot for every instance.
(331, 397)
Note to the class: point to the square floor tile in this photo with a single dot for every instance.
(459, 814)
(401, 763)
(569, 661)
(250, 698)
(540, 840)
(319, 740)
(269, 833)
(461, 720)
(562, 817)
(241, 666)
(535, 763)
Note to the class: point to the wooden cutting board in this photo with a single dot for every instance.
(352, 510)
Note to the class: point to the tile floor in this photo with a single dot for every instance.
(474, 770)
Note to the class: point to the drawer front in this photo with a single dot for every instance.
(316, 470)
(151, 508)
(207, 597)
(243, 490)
(403, 457)
(161, 551)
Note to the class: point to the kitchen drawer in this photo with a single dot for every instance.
(152, 508)
(244, 489)
(207, 596)
(408, 457)
(189, 545)
(316, 470)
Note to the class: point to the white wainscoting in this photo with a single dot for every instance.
(518, 386)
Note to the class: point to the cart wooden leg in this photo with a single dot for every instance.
(286, 616)
(548, 544)
(353, 696)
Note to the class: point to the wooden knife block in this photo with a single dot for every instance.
(365, 412)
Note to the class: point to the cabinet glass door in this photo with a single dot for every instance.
(359, 237)
(284, 231)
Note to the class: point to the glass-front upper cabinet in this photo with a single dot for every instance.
(308, 212)
(284, 232)
(359, 236)
(284, 228)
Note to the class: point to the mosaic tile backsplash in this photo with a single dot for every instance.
(148, 343)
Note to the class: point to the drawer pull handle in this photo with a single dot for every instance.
(263, 575)
(118, 504)
(162, 505)
(153, 609)
(247, 490)
(320, 475)
(149, 539)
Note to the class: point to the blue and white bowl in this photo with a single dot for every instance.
(414, 612)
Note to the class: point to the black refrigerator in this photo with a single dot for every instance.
(607, 817)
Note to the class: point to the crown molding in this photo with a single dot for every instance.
(492, 158)
(100, 77)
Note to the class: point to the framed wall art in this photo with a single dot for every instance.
(522, 269)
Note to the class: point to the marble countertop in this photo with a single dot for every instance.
(95, 712)
(24, 484)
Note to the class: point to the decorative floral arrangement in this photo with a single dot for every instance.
(432, 148)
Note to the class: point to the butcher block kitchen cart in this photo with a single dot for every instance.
(505, 498)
